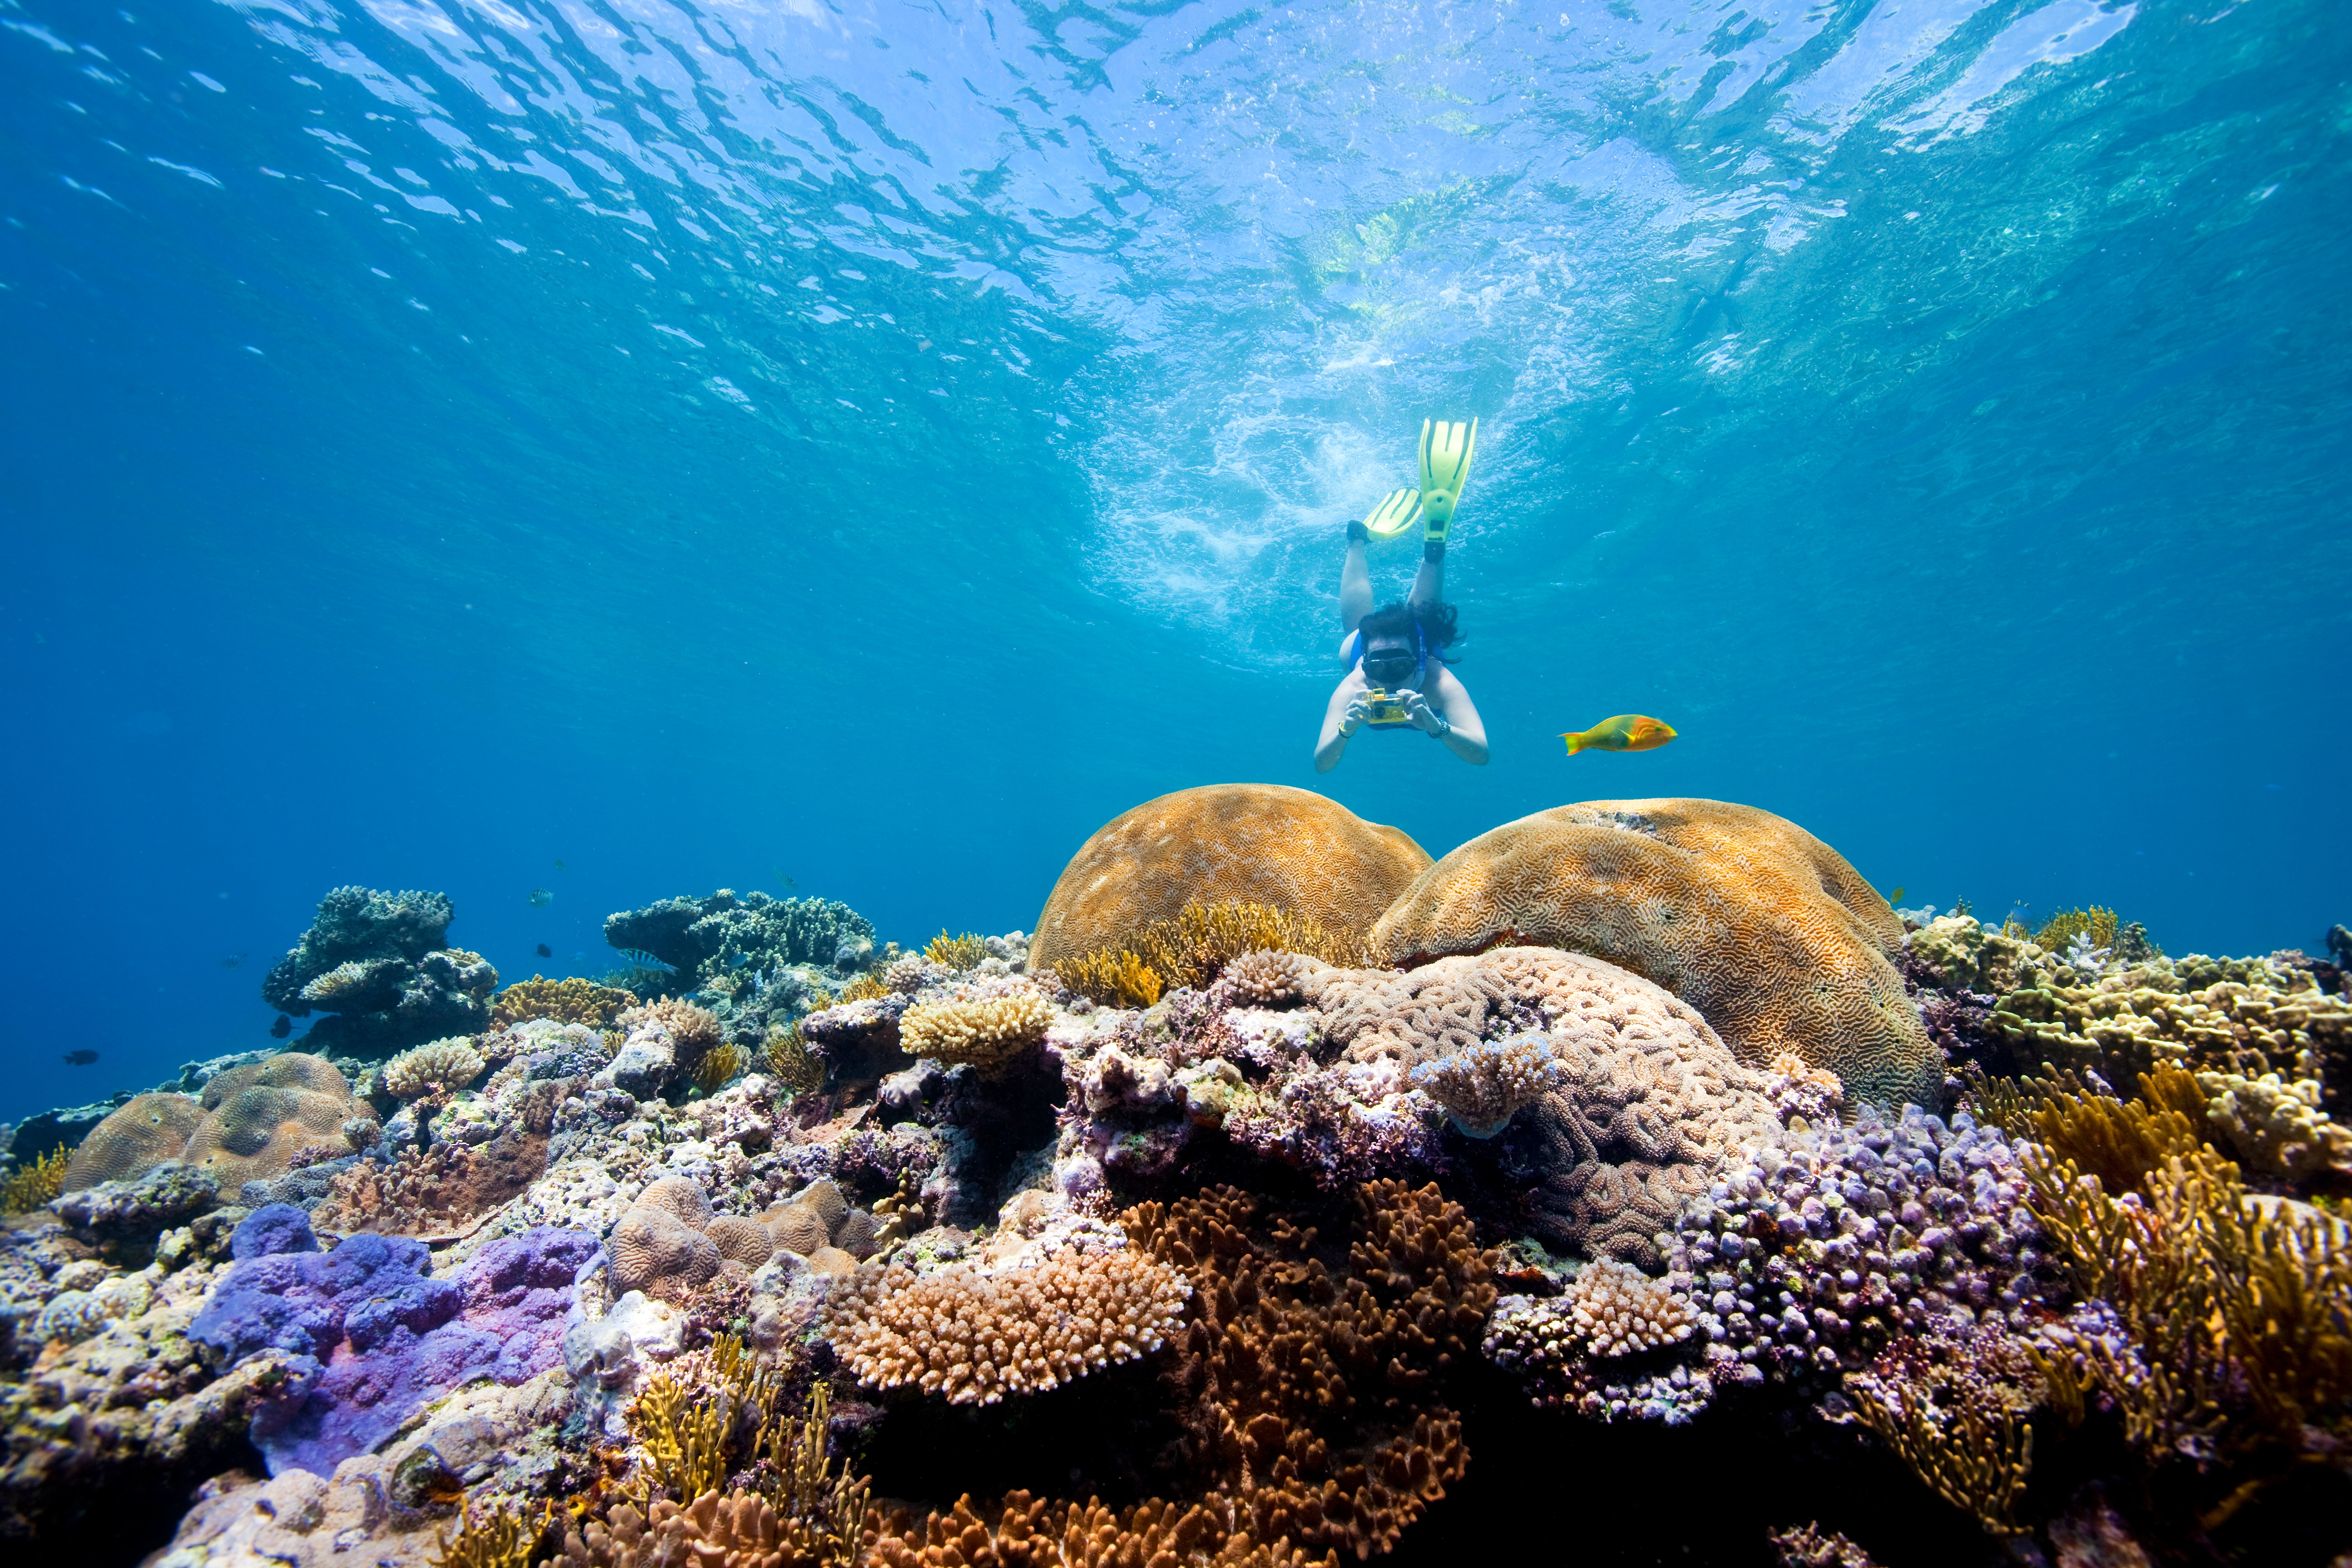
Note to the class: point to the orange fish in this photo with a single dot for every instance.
(1625, 732)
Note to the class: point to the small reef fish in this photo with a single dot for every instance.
(231, 961)
(562, 867)
(283, 1028)
(541, 897)
(1625, 732)
(80, 1058)
(545, 950)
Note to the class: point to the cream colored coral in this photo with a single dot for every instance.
(986, 1031)
(2275, 1125)
(438, 1065)
(975, 1338)
(1266, 979)
(692, 1029)
(1618, 1310)
(1484, 1087)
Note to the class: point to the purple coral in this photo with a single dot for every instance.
(1809, 1255)
(372, 1336)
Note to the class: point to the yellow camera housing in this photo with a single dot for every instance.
(1382, 711)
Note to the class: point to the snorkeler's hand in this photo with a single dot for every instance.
(1418, 711)
(1359, 710)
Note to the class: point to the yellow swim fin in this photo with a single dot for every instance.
(1393, 515)
(1446, 451)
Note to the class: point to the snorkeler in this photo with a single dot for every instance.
(1395, 656)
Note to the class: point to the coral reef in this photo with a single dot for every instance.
(148, 1130)
(986, 1031)
(1750, 919)
(569, 1000)
(433, 1068)
(1262, 844)
(375, 964)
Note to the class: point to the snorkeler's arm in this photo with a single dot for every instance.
(1341, 718)
(1464, 732)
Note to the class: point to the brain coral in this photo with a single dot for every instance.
(1751, 920)
(145, 1131)
(976, 1337)
(651, 1248)
(1266, 844)
(261, 1115)
(286, 1070)
(1648, 1104)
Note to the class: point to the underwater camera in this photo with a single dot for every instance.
(1382, 711)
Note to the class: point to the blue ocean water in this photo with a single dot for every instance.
(632, 448)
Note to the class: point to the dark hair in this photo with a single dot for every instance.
(1437, 623)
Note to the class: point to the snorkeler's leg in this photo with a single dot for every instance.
(1355, 582)
(1429, 583)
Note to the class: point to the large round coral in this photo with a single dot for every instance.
(143, 1133)
(1756, 924)
(1266, 844)
(254, 1135)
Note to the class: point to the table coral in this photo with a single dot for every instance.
(373, 961)
(976, 1338)
(147, 1131)
(1264, 844)
(1751, 920)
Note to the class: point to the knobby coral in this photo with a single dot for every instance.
(976, 1338)
(1754, 922)
(1262, 844)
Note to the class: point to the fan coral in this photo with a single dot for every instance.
(956, 951)
(1484, 1086)
(569, 1001)
(434, 1069)
(988, 1032)
(34, 1182)
(1751, 920)
(976, 1337)
(1974, 1462)
(1116, 979)
(143, 1133)
(1266, 844)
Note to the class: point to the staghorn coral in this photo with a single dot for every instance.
(34, 1182)
(1484, 1086)
(1114, 979)
(568, 1001)
(1264, 844)
(436, 1067)
(1749, 917)
(958, 953)
(976, 1337)
(141, 1134)
(986, 1031)
(1038, 1533)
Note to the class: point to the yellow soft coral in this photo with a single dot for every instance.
(1114, 979)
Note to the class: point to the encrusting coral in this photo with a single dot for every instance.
(1754, 922)
(1262, 844)
(975, 1338)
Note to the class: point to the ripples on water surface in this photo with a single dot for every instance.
(870, 443)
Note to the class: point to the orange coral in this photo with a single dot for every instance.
(1264, 844)
(569, 1001)
(1037, 1533)
(1754, 922)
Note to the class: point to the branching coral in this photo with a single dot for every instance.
(1975, 1462)
(1484, 1087)
(976, 1338)
(1265, 979)
(2097, 922)
(436, 1067)
(789, 1059)
(693, 1030)
(867, 987)
(1611, 1311)
(683, 1433)
(956, 951)
(34, 1182)
(1114, 979)
(505, 1535)
(1034, 1532)
(1193, 947)
(986, 1031)
(568, 1001)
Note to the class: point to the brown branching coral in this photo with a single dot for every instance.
(1114, 979)
(1976, 1462)
(505, 1535)
(988, 1032)
(33, 1183)
(568, 1001)
(1484, 1087)
(976, 1338)
(1193, 947)
(789, 1059)
(956, 951)
(1033, 1532)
